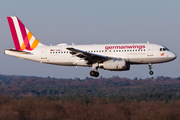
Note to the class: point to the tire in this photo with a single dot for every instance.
(96, 74)
(92, 73)
(151, 72)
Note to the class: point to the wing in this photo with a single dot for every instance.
(89, 57)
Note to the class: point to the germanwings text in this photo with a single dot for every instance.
(125, 47)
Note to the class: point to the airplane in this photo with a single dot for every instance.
(113, 57)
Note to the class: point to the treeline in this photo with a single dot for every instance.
(23, 86)
(97, 109)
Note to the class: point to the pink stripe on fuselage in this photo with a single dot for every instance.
(14, 33)
(24, 35)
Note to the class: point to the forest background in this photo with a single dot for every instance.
(31, 97)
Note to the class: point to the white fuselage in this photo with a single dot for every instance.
(143, 53)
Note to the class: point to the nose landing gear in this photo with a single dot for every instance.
(150, 67)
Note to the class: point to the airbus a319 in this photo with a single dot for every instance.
(113, 57)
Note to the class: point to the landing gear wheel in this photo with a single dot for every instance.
(92, 73)
(151, 72)
(96, 74)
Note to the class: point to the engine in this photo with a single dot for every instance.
(115, 65)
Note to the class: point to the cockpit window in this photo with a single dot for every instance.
(164, 49)
(167, 49)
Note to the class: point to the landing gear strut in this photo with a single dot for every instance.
(150, 67)
(93, 72)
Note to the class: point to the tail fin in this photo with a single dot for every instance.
(22, 37)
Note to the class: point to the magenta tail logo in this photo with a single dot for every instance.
(22, 37)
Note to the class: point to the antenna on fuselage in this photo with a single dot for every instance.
(147, 42)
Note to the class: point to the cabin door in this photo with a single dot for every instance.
(150, 50)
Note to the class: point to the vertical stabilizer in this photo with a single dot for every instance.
(22, 37)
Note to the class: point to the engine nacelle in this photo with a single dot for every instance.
(115, 65)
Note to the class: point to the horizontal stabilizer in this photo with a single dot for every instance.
(16, 51)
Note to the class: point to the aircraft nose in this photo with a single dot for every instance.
(173, 56)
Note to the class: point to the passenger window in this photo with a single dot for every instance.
(109, 50)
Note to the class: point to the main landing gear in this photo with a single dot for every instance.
(93, 72)
(150, 67)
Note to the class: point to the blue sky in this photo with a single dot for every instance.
(92, 22)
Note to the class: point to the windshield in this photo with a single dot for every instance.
(164, 49)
